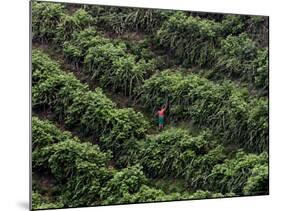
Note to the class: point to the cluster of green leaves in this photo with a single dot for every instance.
(51, 22)
(240, 57)
(129, 186)
(225, 46)
(255, 26)
(79, 169)
(190, 39)
(72, 23)
(40, 202)
(229, 111)
(121, 20)
(244, 174)
(178, 154)
(90, 112)
(44, 133)
(107, 61)
(46, 18)
(82, 173)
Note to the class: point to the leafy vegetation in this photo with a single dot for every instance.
(240, 57)
(211, 72)
(230, 112)
(122, 20)
(47, 18)
(107, 62)
(233, 174)
(191, 39)
(90, 112)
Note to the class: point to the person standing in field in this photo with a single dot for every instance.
(161, 114)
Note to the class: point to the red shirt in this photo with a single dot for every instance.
(161, 112)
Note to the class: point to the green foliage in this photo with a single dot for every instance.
(107, 62)
(171, 152)
(129, 186)
(258, 27)
(258, 125)
(232, 25)
(235, 56)
(84, 175)
(258, 182)
(261, 77)
(230, 112)
(45, 20)
(123, 185)
(122, 20)
(240, 57)
(72, 23)
(240, 47)
(240, 172)
(191, 39)
(175, 153)
(91, 112)
(45, 133)
(39, 202)
(80, 169)
(42, 67)
(75, 49)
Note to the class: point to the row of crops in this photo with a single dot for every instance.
(82, 173)
(221, 107)
(198, 159)
(230, 47)
(116, 156)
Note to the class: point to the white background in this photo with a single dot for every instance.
(14, 104)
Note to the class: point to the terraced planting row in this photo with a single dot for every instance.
(83, 175)
(184, 157)
(189, 96)
(219, 45)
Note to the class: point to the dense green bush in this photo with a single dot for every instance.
(229, 111)
(124, 183)
(258, 27)
(240, 173)
(261, 76)
(258, 182)
(42, 67)
(171, 152)
(39, 202)
(72, 23)
(46, 18)
(44, 133)
(122, 20)
(240, 57)
(235, 56)
(232, 25)
(107, 62)
(178, 154)
(75, 49)
(190, 39)
(79, 169)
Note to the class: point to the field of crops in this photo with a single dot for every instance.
(100, 73)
